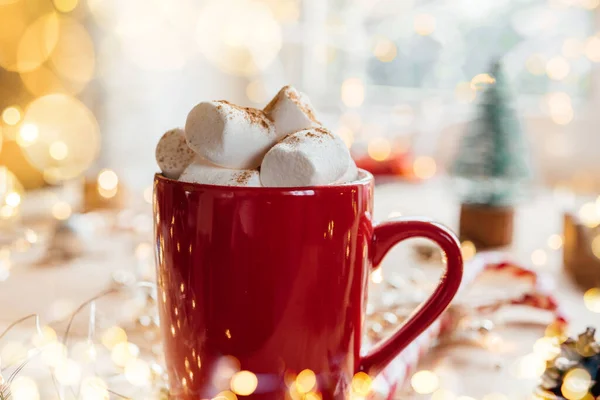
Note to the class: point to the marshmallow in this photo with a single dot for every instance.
(173, 154)
(351, 172)
(202, 171)
(306, 158)
(228, 135)
(291, 111)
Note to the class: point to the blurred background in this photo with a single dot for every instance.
(87, 87)
(92, 84)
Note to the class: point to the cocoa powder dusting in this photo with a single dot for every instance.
(305, 108)
(254, 115)
(243, 177)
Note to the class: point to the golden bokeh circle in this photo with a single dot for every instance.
(243, 42)
(68, 138)
(37, 43)
(70, 66)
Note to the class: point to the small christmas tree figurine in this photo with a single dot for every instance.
(491, 167)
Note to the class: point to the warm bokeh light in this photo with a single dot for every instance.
(24, 388)
(596, 246)
(559, 105)
(346, 135)
(572, 48)
(591, 299)
(424, 167)
(305, 381)
(443, 394)
(546, 348)
(12, 353)
(11, 115)
(377, 276)
(224, 395)
(124, 352)
(385, 50)
(113, 336)
(530, 366)
(589, 215)
(65, 6)
(28, 134)
(256, 91)
(592, 48)
(558, 68)
(576, 384)
(361, 384)
(61, 210)
(424, 24)
(495, 396)
(37, 43)
(137, 372)
(555, 241)
(480, 81)
(108, 182)
(68, 136)
(353, 92)
(539, 257)
(74, 58)
(244, 383)
(425, 382)
(46, 336)
(536, 64)
(54, 354)
(68, 373)
(379, 149)
(148, 194)
(13, 199)
(93, 388)
(468, 250)
(58, 150)
(465, 92)
(243, 42)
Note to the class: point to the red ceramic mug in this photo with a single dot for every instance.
(274, 281)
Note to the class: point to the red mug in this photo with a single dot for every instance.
(272, 282)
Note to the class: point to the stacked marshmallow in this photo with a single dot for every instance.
(282, 145)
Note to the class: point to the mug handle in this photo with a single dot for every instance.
(385, 236)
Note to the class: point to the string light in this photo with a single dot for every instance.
(108, 183)
(93, 388)
(589, 215)
(13, 199)
(530, 367)
(425, 382)
(546, 348)
(468, 250)
(28, 134)
(481, 80)
(576, 384)
(443, 394)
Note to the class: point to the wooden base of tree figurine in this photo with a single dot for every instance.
(579, 260)
(491, 168)
(487, 227)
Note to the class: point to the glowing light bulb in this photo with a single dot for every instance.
(539, 257)
(591, 298)
(361, 384)
(123, 353)
(379, 149)
(424, 167)
(28, 134)
(24, 388)
(68, 373)
(61, 210)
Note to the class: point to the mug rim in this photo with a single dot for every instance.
(366, 178)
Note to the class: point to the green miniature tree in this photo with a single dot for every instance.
(493, 163)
